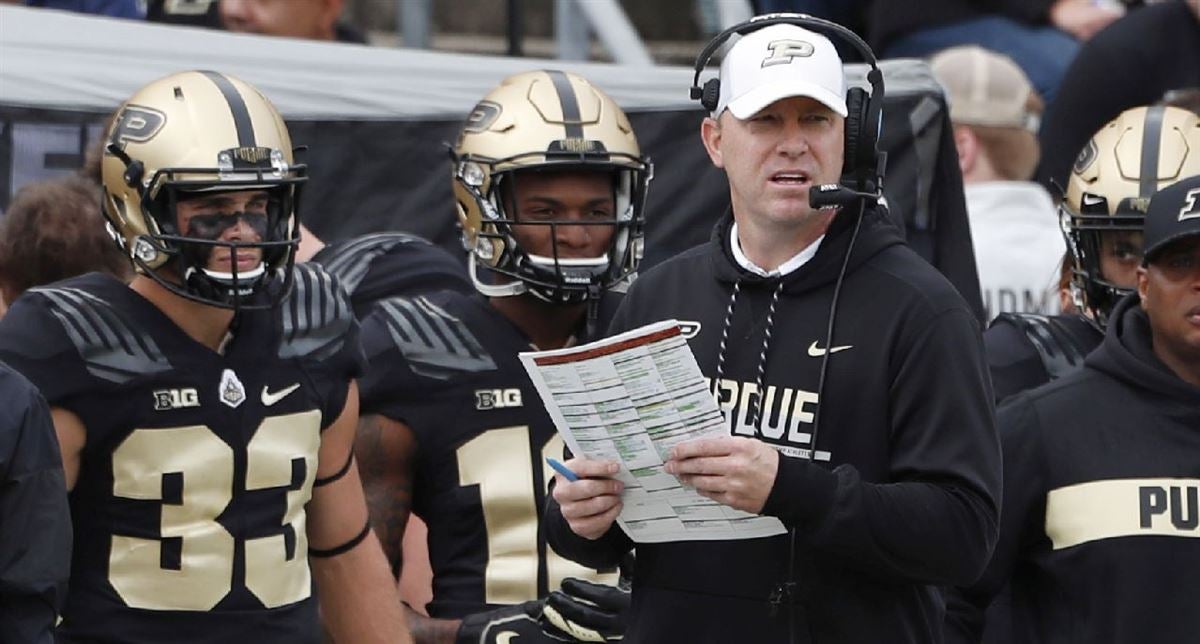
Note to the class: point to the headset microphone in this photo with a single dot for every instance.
(832, 195)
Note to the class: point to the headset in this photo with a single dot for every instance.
(863, 164)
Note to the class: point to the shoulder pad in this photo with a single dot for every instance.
(434, 343)
(317, 317)
(1058, 345)
(106, 338)
(350, 261)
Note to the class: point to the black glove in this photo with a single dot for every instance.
(521, 623)
(579, 612)
(588, 612)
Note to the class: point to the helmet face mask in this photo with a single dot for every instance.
(547, 126)
(200, 135)
(1103, 211)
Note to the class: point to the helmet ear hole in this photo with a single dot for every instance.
(134, 174)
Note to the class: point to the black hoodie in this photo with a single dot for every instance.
(905, 491)
(1100, 529)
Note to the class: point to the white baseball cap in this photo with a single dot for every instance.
(777, 62)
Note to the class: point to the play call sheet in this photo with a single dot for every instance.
(630, 398)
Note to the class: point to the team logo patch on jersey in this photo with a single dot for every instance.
(232, 392)
(167, 399)
(486, 399)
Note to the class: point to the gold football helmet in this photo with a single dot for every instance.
(546, 121)
(1128, 160)
(198, 132)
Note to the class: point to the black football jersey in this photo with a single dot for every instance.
(1026, 350)
(446, 365)
(189, 507)
(382, 265)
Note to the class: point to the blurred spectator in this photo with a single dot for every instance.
(312, 19)
(134, 9)
(1042, 36)
(53, 230)
(191, 13)
(1014, 225)
(1187, 98)
(851, 14)
(1136, 61)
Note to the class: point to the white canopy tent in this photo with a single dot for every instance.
(375, 120)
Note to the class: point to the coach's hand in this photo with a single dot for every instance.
(591, 504)
(735, 471)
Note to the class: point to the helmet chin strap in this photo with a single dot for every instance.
(228, 277)
(515, 287)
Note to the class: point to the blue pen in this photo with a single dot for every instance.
(562, 469)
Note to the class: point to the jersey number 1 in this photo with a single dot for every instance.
(499, 461)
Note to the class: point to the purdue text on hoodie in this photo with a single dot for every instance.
(1100, 527)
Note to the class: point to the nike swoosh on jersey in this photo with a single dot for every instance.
(506, 637)
(270, 398)
(817, 352)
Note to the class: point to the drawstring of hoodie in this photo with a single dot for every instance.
(782, 593)
(737, 287)
(761, 370)
(756, 418)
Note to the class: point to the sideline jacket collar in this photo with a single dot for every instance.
(877, 233)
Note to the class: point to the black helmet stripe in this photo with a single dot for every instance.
(1151, 141)
(237, 106)
(570, 104)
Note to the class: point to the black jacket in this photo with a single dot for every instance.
(904, 494)
(1026, 350)
(35, 522)
(1100, 519)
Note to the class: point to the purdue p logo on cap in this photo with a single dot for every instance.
(783, 51)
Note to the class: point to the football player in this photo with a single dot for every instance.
(206, 411)
(1141, 151)
(549, 183)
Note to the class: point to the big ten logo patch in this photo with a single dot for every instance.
(486, 399)
(165, 399)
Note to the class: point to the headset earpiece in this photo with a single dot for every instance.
(861, 147)
(134, 173)
(710, 96)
